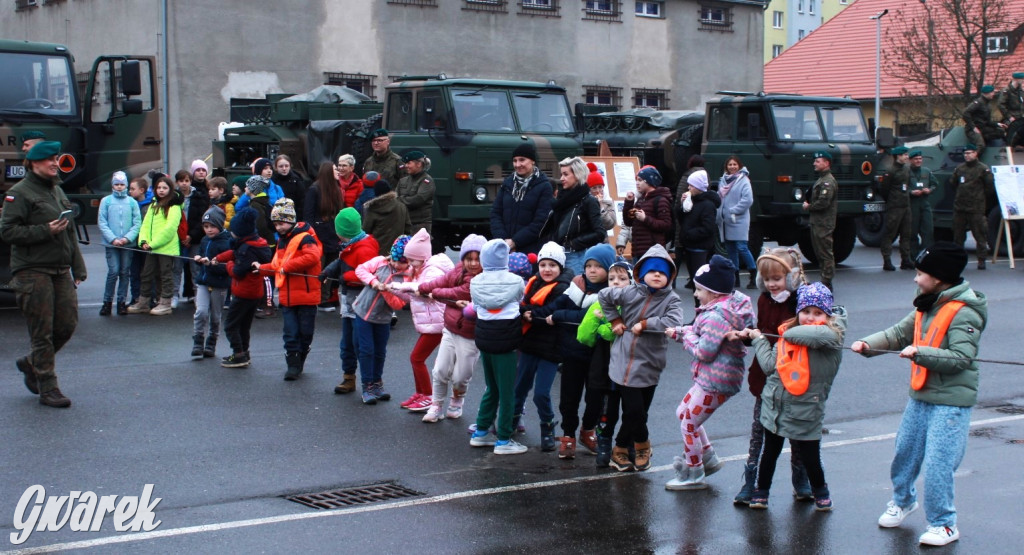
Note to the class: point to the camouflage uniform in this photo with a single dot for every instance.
(922, 227)
(1011, 103)
(823, 207)
(417, 193)
(972, 183)
(896, 190)
(978, 115)
(389, 166)
(45, 268)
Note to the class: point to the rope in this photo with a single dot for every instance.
(943, 357)
(190, 259)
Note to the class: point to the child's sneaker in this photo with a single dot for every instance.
(711, 461)
(759, 500)
(368, 396)
(508, 447)
(822, 503)
(620, 460)
(236, 360)
(378, 391)
(421, 404)
(483, 439)
(434, 413)
(894, 514)
(567, 447)
(939, 535)
(412, 399)
(588, 439)
(455, 407)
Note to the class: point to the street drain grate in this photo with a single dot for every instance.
(1010, 409)
(361, 495)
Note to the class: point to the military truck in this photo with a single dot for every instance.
(107, 123)
(775, 135)
(467, 127)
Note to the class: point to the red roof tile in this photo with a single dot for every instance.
(838, 58)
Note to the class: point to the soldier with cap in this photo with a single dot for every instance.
(416, 190)
(978, 124)
(1011, 99)
(383, 160)
(47, 267)
(895, 189)
(922, 185)
(30, 138)
(823, 206)
(972, 183)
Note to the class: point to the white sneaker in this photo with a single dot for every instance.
(174, 301)
(940, 535)
(433, 413)
(509, 447)
(894, 515)
(455, 408)
(483, 439)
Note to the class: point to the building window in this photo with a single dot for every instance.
(649, 9)
(543, 8)
(650, 98)
(356, 81)
(997, 45)
(602, 10)
(776, 50)
(24, 4)
(715, 18)
(800, 34)
(777, 20)
(843, 2)
(810, 7)
(500, 6)
(422, 3)
(602, 95)
(799, 6)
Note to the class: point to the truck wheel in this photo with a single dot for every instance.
(995, 222)
(870, 228)
(843, 240)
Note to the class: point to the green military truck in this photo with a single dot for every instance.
(775, 135)
(108, 122)
(467, 127)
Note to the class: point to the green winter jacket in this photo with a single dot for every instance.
(29, 207)
(160, 231)
(801, 417)
(591, 327)
(953, 379)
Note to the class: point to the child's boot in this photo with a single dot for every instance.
(682, 473)
(122, 309)
(694, 478)
(567, 447)
(105, 309)
(643, 455)
(140, 307)
(749, 476)
(302, 358)
(379, 391)
(711, 461)
(588, 439)
(620, 459)
(801, 485)
(547, 437)
(347, 385)
(759, 499)
(368, 397)
(604, 451)
(197, 347)
(822, 499)
(293, 360)
(210, 349)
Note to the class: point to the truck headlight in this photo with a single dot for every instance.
(798, 194)
(480, 193)
(869, 194)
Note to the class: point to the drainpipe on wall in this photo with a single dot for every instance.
(166, 155)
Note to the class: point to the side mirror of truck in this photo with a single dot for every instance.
(884, 138)
(131, 79)
(131, 107)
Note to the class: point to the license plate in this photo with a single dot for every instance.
(874, 207)
(15, 172)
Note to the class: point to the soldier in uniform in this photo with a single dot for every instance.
(47, 267)
(922, 185)
(978, 124)
(972, 181)
(30, 138)
(383, 160)
(416, 190)
(1011, 100)
(823, 206)
(895, 188)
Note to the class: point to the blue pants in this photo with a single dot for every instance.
(574, 261)
(119, 267)
(937, 436)
(299, 324)
(349, 358)
(738, 250)
(532, 368)
(372, 346)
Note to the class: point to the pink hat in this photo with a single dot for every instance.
(419, 247)
(197, 164)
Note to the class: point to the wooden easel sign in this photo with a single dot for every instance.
(1009, 181)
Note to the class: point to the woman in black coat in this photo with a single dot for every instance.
(575, 220)
(523, 203)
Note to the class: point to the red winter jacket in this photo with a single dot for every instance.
(351, 192)
(244, 283)
(354, 255)
(297, 253)
(451, 287)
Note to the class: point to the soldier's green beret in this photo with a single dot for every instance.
(1018, 75)
(970, 146)
(43, 150)
(413, 155)
(899, 150)
(379, 133)
(916, 153)
(823, 154)
(29, 135)
(987, 89)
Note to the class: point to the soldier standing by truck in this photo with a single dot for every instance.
(823, 206)
(416, 190)
(30, 138)
(972, 182)
(922, 185)
(896, 192)
(1011, 99)
(978, 124)
(383, 160)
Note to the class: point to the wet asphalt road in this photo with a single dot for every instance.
(223, 447)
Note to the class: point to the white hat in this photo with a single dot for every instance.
(552, 251)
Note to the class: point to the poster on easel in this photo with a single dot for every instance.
(1009, 183)
(619, 179)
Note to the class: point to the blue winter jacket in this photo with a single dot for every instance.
(119, 218)
(209, 275)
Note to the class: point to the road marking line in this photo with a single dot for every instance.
(155, 534)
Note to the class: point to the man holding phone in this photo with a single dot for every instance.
(47, 267)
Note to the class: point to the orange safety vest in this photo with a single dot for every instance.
(936, 333)
(539, 297)
(792, 364)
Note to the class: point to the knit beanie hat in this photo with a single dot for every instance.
(244, 222)
(816, 294)
(552, 251)
(698, 180)
(603, 253)
(347, 223)
(655, 264)
(370, 177)
(943, 261)
(239, 180)
(283, 211)
(214, 215)
(651, 175)
(519, 264)
(717, 276)
(494, 255)
(255, 185)
(472, 243)
(119, 178)
(381, 188)
(621, 263)
(258, 165)
(526, 150)
(198, 165)
(398, 249)
(594, 178)
(419, 247)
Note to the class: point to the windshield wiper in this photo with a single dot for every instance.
(34, 114)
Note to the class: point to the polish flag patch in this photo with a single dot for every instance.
(9, 198)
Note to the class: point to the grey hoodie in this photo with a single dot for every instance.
(496, 294)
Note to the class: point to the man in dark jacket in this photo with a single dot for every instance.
(523, 203)
(649, 215)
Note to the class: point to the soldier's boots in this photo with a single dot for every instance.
(906, 265)
(105, 309)
(140, 307)
(163, 308)
(31, 378)
(54, 398)
(887, 265)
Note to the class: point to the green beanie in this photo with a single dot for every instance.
(348, 224)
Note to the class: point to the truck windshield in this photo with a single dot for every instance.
(482, 110)
(796, 123)
(37, 83)
(845, 124)
(543, 113)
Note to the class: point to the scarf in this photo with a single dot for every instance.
(360, 237)
(728, 181)
(519, 184)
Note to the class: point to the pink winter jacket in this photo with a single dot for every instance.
(427, 314)
(449, 288)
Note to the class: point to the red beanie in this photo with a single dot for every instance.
(594, 178)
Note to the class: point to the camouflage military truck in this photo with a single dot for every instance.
(105, 124)
(775, 136)
(943, 151)
(467, 127)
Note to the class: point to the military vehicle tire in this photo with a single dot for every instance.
(843, 240)
(870, 228)
(995, 221)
